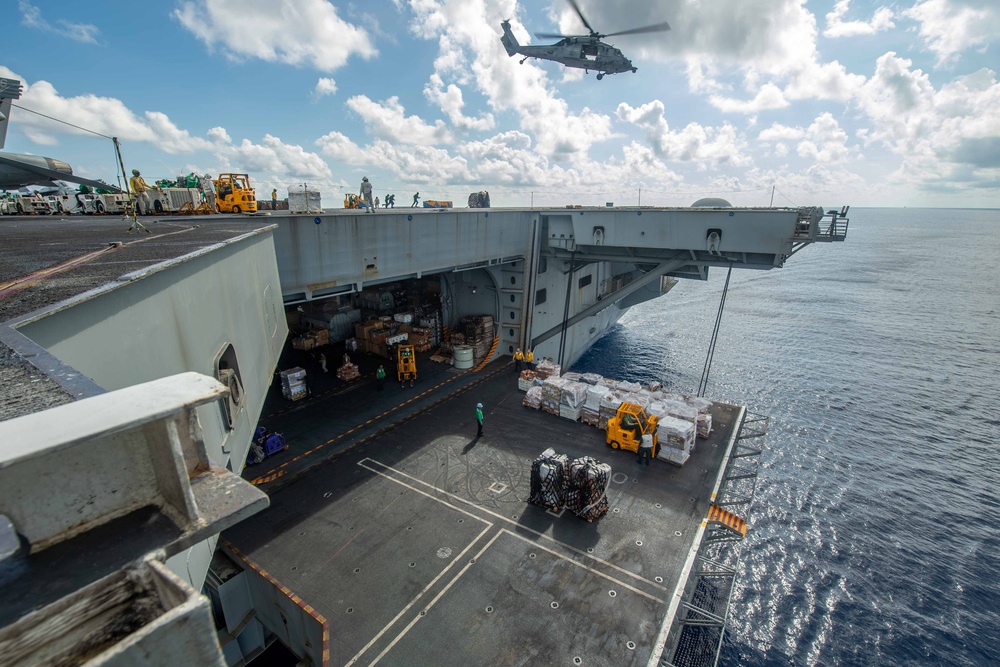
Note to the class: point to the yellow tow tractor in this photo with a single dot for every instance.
(234, 194)
(406, 364)
(626, 428)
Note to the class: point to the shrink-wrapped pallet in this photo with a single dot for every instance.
(704, 425)
(630, 387)
(656, 409)
(548, 475)
(676, 433)
(637, 398)
(586, 488)
(676, 456)
(571, 376)
(574, 394)
(591, 378)
(567, 412)
(547, 369)
(551, 394)
(702, 405)
(590, 417)
(681, 410)
(533, 398)
(594, 395)
(526, 380)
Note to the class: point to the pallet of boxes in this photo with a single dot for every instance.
(593, 400)
(477, 332)
(311, 339)
(293, 384)
(348, 371)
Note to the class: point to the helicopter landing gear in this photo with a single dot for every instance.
(634, 70)
(600, 76)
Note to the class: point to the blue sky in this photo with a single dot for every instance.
(831, 102)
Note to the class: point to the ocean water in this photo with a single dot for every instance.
(875, 533)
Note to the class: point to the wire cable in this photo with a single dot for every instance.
(703, 384)
(83, 129)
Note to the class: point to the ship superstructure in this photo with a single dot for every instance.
(100, 311)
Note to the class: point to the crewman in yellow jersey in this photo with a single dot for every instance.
(529, 359)
(139, 186)
(518, 358)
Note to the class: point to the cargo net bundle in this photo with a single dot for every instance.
(594, 400)
(581, 485)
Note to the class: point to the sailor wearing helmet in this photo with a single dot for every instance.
(366, 194)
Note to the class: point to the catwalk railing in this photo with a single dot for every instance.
(696, 637)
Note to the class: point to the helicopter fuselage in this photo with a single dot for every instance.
(586, 53)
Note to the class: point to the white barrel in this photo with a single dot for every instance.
(462, 356)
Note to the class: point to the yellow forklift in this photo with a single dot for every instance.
(406, 364)
(234, 194)
(626, 428)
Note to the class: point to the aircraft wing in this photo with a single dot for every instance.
(15, 173)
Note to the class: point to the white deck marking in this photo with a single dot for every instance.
(436, 598)
(417, 597)
(582, 566)
(502, 518)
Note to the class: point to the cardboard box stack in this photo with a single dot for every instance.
(478, 332)
(526, 380)
(551, 394)
(348, 372)
(311, 339)
(572, 399)
(293, 383)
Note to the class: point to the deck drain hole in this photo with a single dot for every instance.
(354, 500)
(301, 534)
(443, 552)
(472, 561)
(638, 543)
(350, 610)
(577, 661)
(635, 481)
(423, 612)
(704, 470)
(615, 510)
(351, 528)
(658, 505)
(677, 533)
(658, 580)
(294, 567)
(328, 494)
(513, 516)
(554, 604)
(498, 487)
(630, 646)
(691, 499)
(531, 555)
(613, 593)
(619, 478)
(489, 610)
(413, 564)
(461, 520)
(356, 570)
(590, 550)
(409, 527)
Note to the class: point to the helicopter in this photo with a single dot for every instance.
(585, 52)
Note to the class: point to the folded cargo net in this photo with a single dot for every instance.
(548, 474)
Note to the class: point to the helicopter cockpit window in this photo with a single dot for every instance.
(588, 51)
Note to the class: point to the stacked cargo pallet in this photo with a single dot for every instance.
(348, 372)
(552, 394)
(478, 332)
(311, 339)
(595, 400)
(586, 491)
(293, 384)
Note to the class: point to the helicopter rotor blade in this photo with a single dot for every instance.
(659, 27)
(552, 35)
(580, 14)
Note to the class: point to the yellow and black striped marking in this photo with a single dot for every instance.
(726, 518)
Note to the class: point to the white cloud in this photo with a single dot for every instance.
(451, 102)
(880, 21)
(779, 132)
(32, 17)
(324, 86)
(469, 50)
(694, 143)
(296, 32)
(274, 156)
(949, 27)
(769, 96)
(388, 120)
